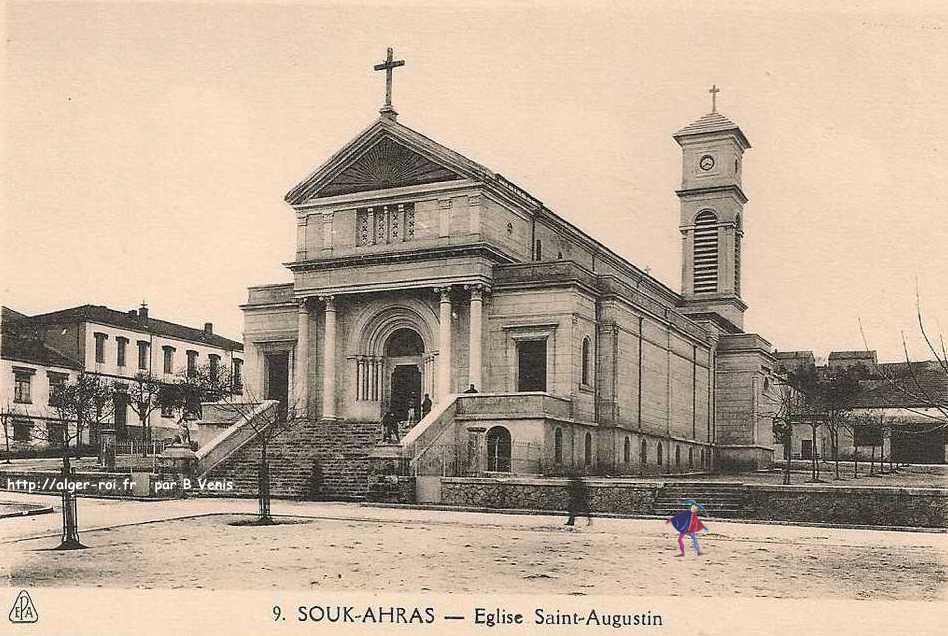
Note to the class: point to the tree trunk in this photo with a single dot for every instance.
(788, 446)
(144, 422)
(872, 460)
(263, 486)
(855, 457)
(836, 449)
(813, 453)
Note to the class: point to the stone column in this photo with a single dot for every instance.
(301, 371)
(474, 374)
(444, 342)
(329, 360)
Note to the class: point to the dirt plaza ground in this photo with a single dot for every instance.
(188, 544)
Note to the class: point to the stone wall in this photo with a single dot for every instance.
(883, 506)
(612, 496)
(871, 506)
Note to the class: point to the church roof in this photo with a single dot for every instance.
(712, 123)
(356, 167)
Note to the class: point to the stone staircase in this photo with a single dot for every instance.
(317, 459)
(720, 499)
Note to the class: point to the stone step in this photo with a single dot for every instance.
(714, 512)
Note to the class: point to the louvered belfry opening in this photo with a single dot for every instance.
(737, 257)
(706, 252)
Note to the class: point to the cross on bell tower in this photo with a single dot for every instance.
(388, 66)
(714, 90)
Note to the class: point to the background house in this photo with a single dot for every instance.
(114, 344)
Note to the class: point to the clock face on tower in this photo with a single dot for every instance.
(706, 162)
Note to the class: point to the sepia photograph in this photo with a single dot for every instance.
(382, 317)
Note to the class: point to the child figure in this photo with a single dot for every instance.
(687, 522)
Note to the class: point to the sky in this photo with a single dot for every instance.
(147, 147)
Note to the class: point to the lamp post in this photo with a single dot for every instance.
(70, 536)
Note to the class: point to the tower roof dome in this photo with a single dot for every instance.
(711, 123)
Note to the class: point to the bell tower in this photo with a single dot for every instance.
(712, 205)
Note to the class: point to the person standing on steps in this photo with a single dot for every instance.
(471, 389)
(425, 406)
(687, 522)
(390, 428)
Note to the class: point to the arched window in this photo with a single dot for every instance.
(538, 251)
(706, 252)
(627, 450)
(677, 456)
(643, 453)
(498, 449)
(589, 449)
(660, 454)
(739, 232)
(585, 374)
(558, 446)
(691, 457)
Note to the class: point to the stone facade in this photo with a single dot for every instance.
(419, 271)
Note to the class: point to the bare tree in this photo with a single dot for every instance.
(78, 406)
(267, 425)
(144, 398)
(8, 415)
(837, 393)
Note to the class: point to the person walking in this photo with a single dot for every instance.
(687, 522)
(578, 500)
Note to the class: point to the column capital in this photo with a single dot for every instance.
(477, 290)
(444, 292)
(330, 302)
(304, 304)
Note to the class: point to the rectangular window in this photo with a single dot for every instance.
(120, 344)
(238, 382)
(22, 387)
(531, 365)
(868, 436)
(22, 430)
(56, 381)
(192, 363)
(383, 224)
(214, 362)
(169, 358)
(143, 354)
(100, 347)
(55, 434)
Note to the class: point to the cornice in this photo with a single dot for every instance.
(423, 254)
(723, 189)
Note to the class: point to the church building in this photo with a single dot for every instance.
(420, 272)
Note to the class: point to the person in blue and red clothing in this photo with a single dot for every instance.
(687, 522)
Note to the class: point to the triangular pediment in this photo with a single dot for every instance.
(387, 164)
(387, 155)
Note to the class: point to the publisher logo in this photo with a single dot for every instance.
(23, 609)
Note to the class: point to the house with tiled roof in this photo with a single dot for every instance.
(118, 345)
(902, 409)
(28, 371)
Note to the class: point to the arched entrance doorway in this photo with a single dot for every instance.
(498, 449)
(404, 351)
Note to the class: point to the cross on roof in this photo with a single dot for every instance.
(388, 66)
(714, 97)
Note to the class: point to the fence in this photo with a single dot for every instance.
(136, 447)
(476, 459)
